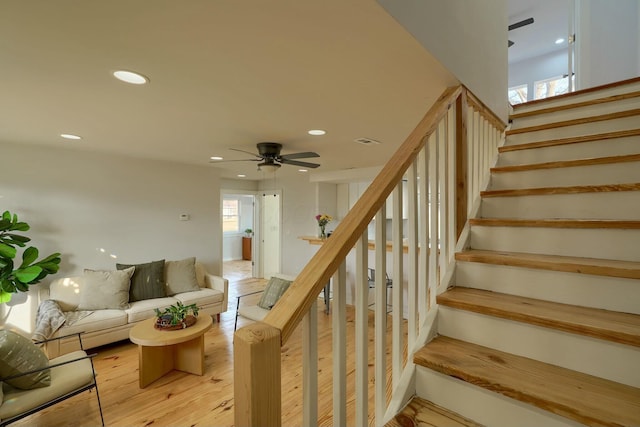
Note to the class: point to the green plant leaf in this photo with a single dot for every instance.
(7, 251)
(29, 256)
(52, 258)
(4, 297)
(21, 226)
(6, 215)
(5, 224)
(26, 275)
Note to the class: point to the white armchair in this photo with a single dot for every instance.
(71, 374)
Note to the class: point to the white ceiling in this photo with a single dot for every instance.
(223, 74)
(551, 21)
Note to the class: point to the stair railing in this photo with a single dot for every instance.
(447, 158)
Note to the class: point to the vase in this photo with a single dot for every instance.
(322, 234)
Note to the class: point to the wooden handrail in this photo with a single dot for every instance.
(296, 302)
(484, 111)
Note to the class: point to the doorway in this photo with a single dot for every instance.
(238, 225)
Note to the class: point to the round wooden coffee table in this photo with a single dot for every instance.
(160, 352)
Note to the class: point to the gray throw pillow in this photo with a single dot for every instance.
(18, 355)
(181, 276)
(105, 289)
(147, 281)
(272, 293)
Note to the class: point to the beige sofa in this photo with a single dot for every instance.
(105, 326)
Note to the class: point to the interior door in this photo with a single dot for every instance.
(270, 227)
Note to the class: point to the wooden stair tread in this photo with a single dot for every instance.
(421, 412)
(574, 189)
(570, 140)
(587, 399)
(595, 266)
(573, 122)
(568, 163)
(576, 93)
(556, 223)
(604, 100)
(623, 328)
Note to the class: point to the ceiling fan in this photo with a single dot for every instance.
(518, 25)
(269, 157)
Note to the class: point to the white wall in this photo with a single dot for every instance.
(468, 37)
(99, 209)
(608, 41)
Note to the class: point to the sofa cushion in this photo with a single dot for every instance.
(202, 297)
(105, 289)
(141, 310)
(253, 312)
(97, 321)
(272, 293)
(18, 355)
(147, 281)
(181, 276)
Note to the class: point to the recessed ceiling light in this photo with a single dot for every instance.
(303, 170)
(70, 136)
(130, 77)
(366, 141)
(242, 175)
(560, 40)
(216, 158)
(317, 132)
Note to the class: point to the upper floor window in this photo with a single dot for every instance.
(551, 87)
(518, 94)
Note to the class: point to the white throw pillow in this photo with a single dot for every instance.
(181, 276)
(105, 289)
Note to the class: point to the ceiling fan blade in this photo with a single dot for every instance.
(247, 152)
(520, 24)
(510, 43)
(300, 155)
(228, 161)
(299, 163)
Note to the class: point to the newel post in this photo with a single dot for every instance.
(462, 188)
(256, 375)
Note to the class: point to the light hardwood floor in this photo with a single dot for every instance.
(180, 399)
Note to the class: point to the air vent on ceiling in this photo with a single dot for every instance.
(366, 141)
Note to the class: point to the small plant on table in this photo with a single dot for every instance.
(176, 316)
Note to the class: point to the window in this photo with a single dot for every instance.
(230, 215)
(551, 87)
(518, 94)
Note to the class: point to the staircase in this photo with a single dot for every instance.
(541, 323)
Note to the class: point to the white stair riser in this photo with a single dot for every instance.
(592, 128)
(608, 293)
(577, 113)
(620, 244)
(606, 359)
(483, 406)
(613, 173)
(605, 205)
(582, 150)
(589, 96)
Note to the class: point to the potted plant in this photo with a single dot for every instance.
(29, 271)
(248, 232)
(176, 316)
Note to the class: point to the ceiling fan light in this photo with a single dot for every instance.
(268, 167)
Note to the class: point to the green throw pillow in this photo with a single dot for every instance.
(147, 281)
(272, 293)
(18, 355)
